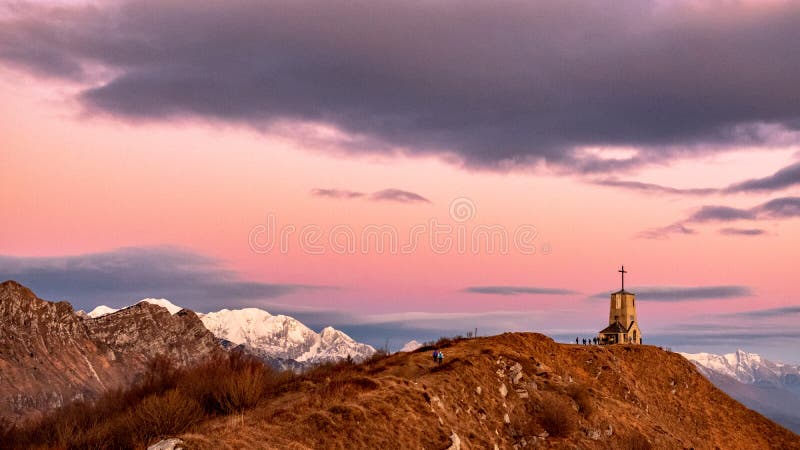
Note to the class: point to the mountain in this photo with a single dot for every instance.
(410, 346)
(281, 340)
(771, 388)
(103, 310)
(50, 355)
(283, 337)
(516, 390)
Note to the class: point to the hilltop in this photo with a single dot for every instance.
(507, 391)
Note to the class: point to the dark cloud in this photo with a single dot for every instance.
(336, 193)
(742, 231)
(666, 232)
(685, 293)
(779, 208)
(651, 188)
(517, 290)
(721, 214)
(119, 277)
(397, 195)
(493, 85)
(767, 313)
(786, 177)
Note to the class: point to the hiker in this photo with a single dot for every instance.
(441, 357)
(584, 341)
(435, 356)
(576, 341)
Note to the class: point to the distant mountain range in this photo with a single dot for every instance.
(282, 340)
(51, 354)
(771, 388)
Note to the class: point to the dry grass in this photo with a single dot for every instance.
(556, 415)
(580, 394)
(164, 401)
(635, 441)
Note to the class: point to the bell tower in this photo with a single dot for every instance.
(623, 324)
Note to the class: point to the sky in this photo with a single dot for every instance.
(410, 170)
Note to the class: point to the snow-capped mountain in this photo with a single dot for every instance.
(748, 368)
(285, 337)
(103, 310)
(771, 388)
(282, 340)
(411, 346)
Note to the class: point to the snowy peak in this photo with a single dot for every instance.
(411, 346)
(101, 310)
(164, 303)
(271, 336)
(748, 368)
(279, 336)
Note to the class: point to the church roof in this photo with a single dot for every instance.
(614, 328)
(623, 291)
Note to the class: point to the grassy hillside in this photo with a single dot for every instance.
(516, 389)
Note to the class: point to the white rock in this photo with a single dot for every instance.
(166, 444)
(478, 390)
(456, 442)
(503, 390)
(506, 418)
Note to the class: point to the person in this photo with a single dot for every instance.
(435, 356)
(576, 341)
(441, 357)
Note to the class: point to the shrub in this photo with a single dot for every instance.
(635, 441)
(580, 394)
(557, 415)
(169, 413)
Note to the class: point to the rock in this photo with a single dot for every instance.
(609, 431)
(435, 400)
(456, 442)
(478, 390)
(516, 368)
(503, 390)
(506, 418)
(594, 434)
(166, 444)
(522, 393)
(516, 377)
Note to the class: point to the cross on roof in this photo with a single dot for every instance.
(623, 272)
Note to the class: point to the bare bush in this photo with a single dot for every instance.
(580, 394)
(169, 413)
(556, 415)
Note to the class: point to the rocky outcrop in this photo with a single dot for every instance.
(50, 355)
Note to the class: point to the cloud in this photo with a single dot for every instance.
(766, 313)
(666, 232)
(786, 177)
(651, 188)
(779, 208)
(397, 195)
(742, 231)
(685, 293)
(721, 214)
(122, 276)
(336, 193)
(517, 290)
(491, 85)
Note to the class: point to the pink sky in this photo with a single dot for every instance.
(75, 183)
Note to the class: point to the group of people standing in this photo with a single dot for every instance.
(589, 341)
(438, 356)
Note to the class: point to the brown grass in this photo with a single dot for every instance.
(163, 401)
(556, 415)
(580, 394)
(635, 441)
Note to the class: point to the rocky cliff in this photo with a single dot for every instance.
(50, 355)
